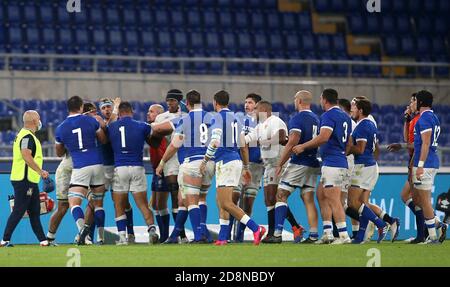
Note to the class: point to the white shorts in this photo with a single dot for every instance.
(193, 169)
(427, 180)
(228, 174)
(365, 177)
(301, 176)
(269, 175)
(109, 174)
(333, 176)
(129, 179)
(172, 166)
(93, 175)
(62, 176)
(251, 189)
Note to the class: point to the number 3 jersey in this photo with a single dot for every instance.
(427, 122)
(78, 133)
(307, 124)
(333, 151)
(127, 138)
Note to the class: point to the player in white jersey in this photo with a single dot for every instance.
(271, 134)
(171, 168)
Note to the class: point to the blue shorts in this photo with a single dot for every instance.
(159, 184)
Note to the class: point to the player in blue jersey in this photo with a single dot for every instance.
(192, 134)
(223, 147)
(79, 135)
(365, 171)
(426, 160)
(333, 139)
(109, 112)
(127, 137)
(302, 170)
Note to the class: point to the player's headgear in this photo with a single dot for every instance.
(424, 99)
(49, 185)
(174, 94)
(105, 102)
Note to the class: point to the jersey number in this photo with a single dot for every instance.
(122, 136)
(234, 132)
(437, 132)
(314, 132)
(375, 140)
(344, 138)
(80, 138)
(203, 133)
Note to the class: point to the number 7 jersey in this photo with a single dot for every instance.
(78, 133)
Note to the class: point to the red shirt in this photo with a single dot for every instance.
(156, 154)
(412, 124)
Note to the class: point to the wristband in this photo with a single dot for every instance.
(245, 166)
(161, 163)
(403, 145)
(204, 161)
(421, 163)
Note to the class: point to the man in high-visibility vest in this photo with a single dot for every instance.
(26, 173)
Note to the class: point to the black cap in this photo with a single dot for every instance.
(174, 94)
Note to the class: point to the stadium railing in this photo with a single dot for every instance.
(183, 61)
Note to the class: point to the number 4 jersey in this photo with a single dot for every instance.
(427, 122)
(78, 133)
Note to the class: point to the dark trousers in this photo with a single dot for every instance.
(26, 199)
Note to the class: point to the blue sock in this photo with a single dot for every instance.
(224, 229)
(130, 225)
(241, 232)
(411, 205)
(92, 231)
(230, 227)
(78, 216)
(281, 209)
(165, 222)
(368, 213)
(194, 216)
(180, 220)
(314, 234)
(420, 222)
(121, 223)
(363, 222)
(203, 217)
(250, 223)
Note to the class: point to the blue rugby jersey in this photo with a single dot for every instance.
(307, 124)
(365, 130)
(428, 121)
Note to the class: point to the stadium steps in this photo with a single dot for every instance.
(397, 71)
(291, 6)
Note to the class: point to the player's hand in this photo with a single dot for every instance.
(44, 174)
(246, 176)
(395, 147)
(203, 167)
(100, 120)
(159, 170)
(408, 111)
(278, 171)
(117, 102)
(419, 173)
(298, 149)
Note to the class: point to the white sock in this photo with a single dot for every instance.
(342, 226)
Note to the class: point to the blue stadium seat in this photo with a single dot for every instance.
(357, 24)
(273, 21)
(391, 45)
(260, 41)
(96, 16)
(308, 43)
(403, 24)
(15, 37)
(181, 42)
(30, 13)
(275, 42)
(423, 45)
(430, 6)
(241, 20)
(14, 14)
(112, 16)
(148, 41)
(145, 18)
(304, 21)
(387, 23)
(32, 38)
(408, 45)
(129, 17)
(373, 24)
(225, 20)
(131, 41)
(257, 20)
(414, 6)
(115, 41)
(244, 42)
(164, 40)
(46, 12)
(210, 20)
(177, 17)
(438, 46)
(289, 21)
(293, 43)
(198, 43)
(81, 38)
(322, 6)
(63, 17)
(424, 25)
(194, 19)
(338, 42)
(229, 41)
(441, 26)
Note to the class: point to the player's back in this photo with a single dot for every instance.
(333, 151)
(227, 121)
(307, 123)
(78, 133)
(428, 121)
(127, 138)
(196, 129)
(367, 131)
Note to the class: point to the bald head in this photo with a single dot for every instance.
(153, 112)
(157, 108)
(31, 119)
(303, 99)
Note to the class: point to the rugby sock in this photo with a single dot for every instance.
(92, 232)
(271, 220)
(335, 228)
(249, 223)
(352, 213)
(159, 223)
(327, 227)
(363, 222)
(121, 223)
(281, 210)
(78, 216)
(175, 211)
(430, 223)
(99, 219)
(230, 227)
(386, 217)
(224, 225)
(165, 221)
(420, 222)
(179, 222)
(194, 216)
(411, 205)
(355, 228)
(130, 225)
(368, 213)
(51, 235)
(342, 229)
(203, 217)
(240, 232)
(290, 217)
(313, 233)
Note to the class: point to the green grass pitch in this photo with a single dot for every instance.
(232, 255)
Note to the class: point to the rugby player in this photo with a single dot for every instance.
(127, 137)
(79, 134)
(333, 139)
(223, 147)
(302, 170)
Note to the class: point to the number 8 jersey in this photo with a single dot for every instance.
(427, 122)
(78, 133)
(333, 151)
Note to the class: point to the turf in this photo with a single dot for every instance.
(246, 255)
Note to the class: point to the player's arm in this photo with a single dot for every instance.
(426, 140)
(245, 156)
(115, 113)
(323, 137)
(294, 138)
(171, 150)
(101, 136)
(60, 150)
(376, 152)
(359, 147)
(213, 145)
(162, 129)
